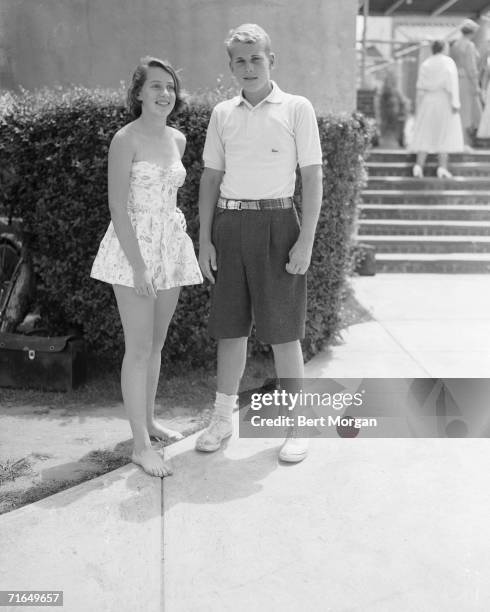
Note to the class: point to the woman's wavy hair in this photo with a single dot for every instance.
(138, 80)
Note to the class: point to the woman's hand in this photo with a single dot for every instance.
(143, 283)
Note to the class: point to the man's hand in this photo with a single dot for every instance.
(207, 261)
(299, 257)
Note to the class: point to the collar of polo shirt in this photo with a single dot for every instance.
(276, 96)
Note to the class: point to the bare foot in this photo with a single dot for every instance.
(151, 462)
(159, 431)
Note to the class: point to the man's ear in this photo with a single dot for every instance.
(272, 59)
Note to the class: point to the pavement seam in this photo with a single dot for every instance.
(162, 550)
(400, 345)
(390, 334)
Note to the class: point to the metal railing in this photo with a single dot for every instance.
(397, 54)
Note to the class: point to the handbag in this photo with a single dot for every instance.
(36, 362)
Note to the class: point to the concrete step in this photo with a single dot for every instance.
(449, 196)
(445, 263)
(404, 227)
(400, 155)
(482, 143)
(428, 244)
(476, 212)
(480, 183)
(404, 169)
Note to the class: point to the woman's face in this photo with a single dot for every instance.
(158, 93)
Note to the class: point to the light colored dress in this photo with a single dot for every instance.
(160, 229)
(437, 129)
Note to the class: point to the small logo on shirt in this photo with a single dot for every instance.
(275, 151)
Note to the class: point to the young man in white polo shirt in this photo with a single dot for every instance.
(252, 248)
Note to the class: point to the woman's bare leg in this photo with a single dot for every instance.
(421, 157)
(442, 171)
(443, 159)
(137, 316)
(165, 305)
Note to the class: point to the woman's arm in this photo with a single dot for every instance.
(120, 160)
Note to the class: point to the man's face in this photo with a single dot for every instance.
(251, 65)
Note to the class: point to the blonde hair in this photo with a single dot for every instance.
(248, 33)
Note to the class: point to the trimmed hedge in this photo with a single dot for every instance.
(53, 165)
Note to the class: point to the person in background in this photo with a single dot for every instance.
(484, 127)
(391, 108)
(467, 59)
(437, 127)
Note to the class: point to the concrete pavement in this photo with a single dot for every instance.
(99, 542)
(424, 325)
(362, 525)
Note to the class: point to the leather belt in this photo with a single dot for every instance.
(266, 204)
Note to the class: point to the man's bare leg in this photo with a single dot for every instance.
(232, 356)
(289, 364)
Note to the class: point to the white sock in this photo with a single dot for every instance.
(224, 405)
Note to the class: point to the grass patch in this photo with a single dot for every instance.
(9, 470)
(107, 460)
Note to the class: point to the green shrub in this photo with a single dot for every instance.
(53, 164)
(344, 141)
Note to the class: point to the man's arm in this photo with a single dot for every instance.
(208, 196)
(300, 254)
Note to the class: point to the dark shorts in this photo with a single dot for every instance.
(252, 285)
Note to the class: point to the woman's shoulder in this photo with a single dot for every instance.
(125, 135)
(177, 134)
(124, 141)
(179, 138)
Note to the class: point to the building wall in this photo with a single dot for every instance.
(99, 42)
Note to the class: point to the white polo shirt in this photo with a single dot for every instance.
(259, 147)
